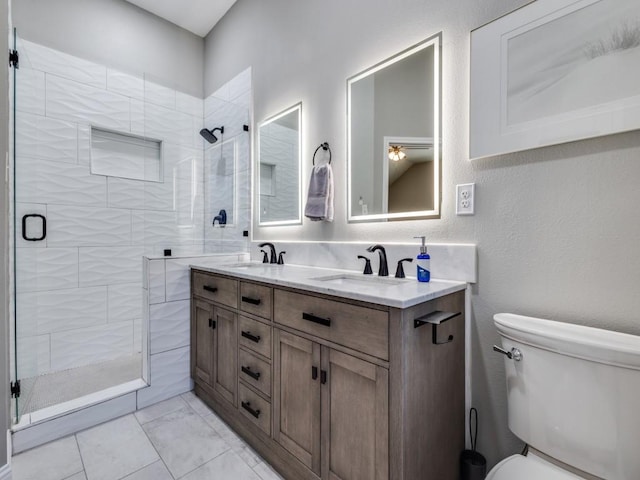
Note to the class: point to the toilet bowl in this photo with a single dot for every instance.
(572, 395)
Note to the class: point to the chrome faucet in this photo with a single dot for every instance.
(272, 248)
(383, 271)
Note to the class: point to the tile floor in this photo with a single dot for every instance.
(180, 438)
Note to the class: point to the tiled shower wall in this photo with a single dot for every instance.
(228, 166)
(279, 148)
(79, 291)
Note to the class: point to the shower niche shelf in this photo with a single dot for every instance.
(123, 155)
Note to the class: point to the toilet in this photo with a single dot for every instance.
(573, 397)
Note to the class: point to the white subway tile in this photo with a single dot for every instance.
(30, 91)
(169, 325)
(165, 124)
(84, 144)
(68, 66)
(110, 265)
(232, 116)
(240, 84)
(125, 84)
(85, 346)
(61, 310)
(124, 301)
(189, 104)
(46, 269)
(42, 137)
(178, 279)
(159, 95)
(34, 356)
(156, 281)
(125, 193)
(86, 226)
(73, 101)
(137, 335)
(170, 376)
(44, 181)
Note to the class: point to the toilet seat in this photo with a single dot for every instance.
(531, 467)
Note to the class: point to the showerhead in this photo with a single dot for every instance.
(209, 136)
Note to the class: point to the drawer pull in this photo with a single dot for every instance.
(212, 324)
(252, 301)
(253, 338)
(323, 377)
(314, 373)
(319, 320)
(247, 407)
(210, 289)
(252, 374)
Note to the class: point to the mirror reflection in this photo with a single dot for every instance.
(279, 168)
(394, 137)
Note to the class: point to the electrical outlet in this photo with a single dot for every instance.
(465, 199)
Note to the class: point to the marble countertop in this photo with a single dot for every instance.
(389, 291)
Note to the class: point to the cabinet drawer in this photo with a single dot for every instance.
(255, 335)
(255, 408)
(255, 372)
(256, 299)
(216, 289)
(363, 329)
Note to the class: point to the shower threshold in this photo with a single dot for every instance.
(55, 394)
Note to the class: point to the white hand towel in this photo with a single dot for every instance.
(320, 195)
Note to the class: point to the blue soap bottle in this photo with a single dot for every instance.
(423, 263)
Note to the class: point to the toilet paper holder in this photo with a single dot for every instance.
(435, 318)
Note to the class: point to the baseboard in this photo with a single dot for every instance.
(5, 472)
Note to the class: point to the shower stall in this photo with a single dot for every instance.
(107, 168)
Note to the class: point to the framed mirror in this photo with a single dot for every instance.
(279, 169)
(393, 137)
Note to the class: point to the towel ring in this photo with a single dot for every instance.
(325, 147)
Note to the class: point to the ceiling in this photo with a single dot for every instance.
(197, 16)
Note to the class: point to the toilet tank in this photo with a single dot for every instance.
(575, 394)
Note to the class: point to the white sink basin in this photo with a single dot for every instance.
(369, 280)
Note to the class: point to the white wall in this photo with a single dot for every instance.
(118, 34)
(557, 228)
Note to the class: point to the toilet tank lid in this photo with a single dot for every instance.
(530, 467)
(594, 344)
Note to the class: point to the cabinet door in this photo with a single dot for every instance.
(202, 342)
(225, 354)
(296, 397)
(355, 418)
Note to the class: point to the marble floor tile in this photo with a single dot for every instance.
(239, 446)
(265, 472)
(159, 409)
(198, 405)
(184, 441)
(115, 449)
(224, 467)
(77, 476)
(155, 471)
(53, 461)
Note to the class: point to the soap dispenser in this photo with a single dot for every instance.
(423, 261)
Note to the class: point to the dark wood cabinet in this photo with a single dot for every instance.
(326, 388)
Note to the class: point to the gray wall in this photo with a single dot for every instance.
(4, 237)
(557, 228)
(117, 34)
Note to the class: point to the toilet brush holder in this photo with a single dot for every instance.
(473, 466)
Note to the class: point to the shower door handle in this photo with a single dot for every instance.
(24, 227)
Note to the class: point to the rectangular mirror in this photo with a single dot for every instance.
(393, 138)
(278, 177)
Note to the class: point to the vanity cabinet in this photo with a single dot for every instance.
(330, 388)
